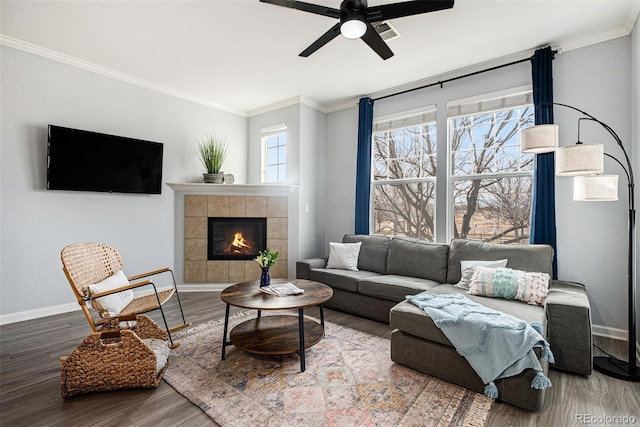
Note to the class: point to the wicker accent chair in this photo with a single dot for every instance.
(86, 264)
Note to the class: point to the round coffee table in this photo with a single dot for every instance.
(277, 334)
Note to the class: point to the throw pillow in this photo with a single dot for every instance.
(530, 287)
(344, 256)
(467, 268)
(111, 305)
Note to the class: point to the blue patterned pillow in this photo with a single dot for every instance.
(510, 284)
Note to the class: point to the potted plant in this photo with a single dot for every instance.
(213, 152)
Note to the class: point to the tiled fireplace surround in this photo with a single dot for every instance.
(197, 209)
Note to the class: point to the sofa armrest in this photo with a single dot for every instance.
(569, 326)
(303, 267)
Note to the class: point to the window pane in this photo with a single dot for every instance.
(272, 141)
(489, 142)
(272, 156)
(405, 153)
(272, 174)
(282, 173)
(495, 210)
(405, 209)
(282, 154)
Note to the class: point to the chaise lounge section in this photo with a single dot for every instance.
(391, 268)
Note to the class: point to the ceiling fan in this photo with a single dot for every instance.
(356, 19)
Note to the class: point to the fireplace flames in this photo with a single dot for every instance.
(238, 246)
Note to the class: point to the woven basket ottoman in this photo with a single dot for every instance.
(129, 352)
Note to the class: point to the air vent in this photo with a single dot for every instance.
(386, 30)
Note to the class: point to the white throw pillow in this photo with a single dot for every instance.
(467, 268)
(111, 305)
(344, 256)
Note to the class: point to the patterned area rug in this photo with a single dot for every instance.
(349, 380)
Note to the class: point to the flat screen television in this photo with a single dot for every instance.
(90, 161)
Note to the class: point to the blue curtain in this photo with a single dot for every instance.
(363, 172)
(543, 212)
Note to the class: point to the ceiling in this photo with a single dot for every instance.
(242, 55)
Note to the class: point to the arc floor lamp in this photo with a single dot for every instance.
(585, 162)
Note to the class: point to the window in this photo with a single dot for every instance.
(274, 154)
(403, 176)
(490, 180)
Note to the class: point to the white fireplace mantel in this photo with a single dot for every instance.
(234, 189)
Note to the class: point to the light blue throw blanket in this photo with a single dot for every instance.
(495, 344)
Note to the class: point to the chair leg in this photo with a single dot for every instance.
(178, 296)
(164, 319)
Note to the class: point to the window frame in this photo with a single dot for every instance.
(265, 135)
(453, 179)
(396, 122)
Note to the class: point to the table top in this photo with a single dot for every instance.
(248, 295)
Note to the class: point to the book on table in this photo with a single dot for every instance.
(282, 289)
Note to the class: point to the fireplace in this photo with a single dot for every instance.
(235, 238)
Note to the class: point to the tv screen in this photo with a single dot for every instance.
(90, 161)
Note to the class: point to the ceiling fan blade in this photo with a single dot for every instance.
(375, 42)
(408, 8)
(306, 7)
(324, 39)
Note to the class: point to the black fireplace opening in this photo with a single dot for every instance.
(236, 238)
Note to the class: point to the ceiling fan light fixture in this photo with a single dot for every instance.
(353, 27)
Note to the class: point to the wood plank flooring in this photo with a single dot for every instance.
(30, 380)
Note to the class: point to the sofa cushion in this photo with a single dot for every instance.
(394, 288)
(537, 258)
(530, 287)
(373, 252)
(346, 280)
(468, 267)
(418, 258)
(344, 256)
(410, 319)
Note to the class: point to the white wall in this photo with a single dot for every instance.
(591, 236)
(36, 224)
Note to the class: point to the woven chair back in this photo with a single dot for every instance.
(88, 263)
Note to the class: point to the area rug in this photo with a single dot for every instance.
(349, 380)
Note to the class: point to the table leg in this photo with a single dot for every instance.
(226, 326)
(259, 313)
(301, 330)
(322, 315)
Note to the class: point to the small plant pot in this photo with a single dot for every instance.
(213, 178)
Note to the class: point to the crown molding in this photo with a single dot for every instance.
(296, 100)
(108, 72)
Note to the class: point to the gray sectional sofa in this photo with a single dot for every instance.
(391, 268)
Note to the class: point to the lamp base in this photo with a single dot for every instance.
(616, 368)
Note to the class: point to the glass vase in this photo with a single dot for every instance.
(265, 278)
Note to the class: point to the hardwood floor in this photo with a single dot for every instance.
(30, 381)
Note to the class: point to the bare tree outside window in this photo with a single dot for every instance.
(492, 180)
(403, 187)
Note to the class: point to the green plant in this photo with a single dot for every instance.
(213, 152)
(267, 258)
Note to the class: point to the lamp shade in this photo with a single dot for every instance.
(353, 28)
(595, 188)
(580, 159)
(539, 139)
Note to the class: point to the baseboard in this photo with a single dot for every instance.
(22, 316)
(615, 334)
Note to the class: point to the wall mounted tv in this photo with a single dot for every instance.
(90, 161)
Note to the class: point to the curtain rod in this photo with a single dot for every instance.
(442, 82)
